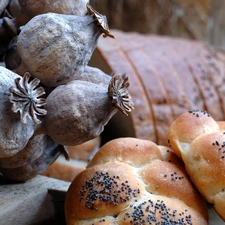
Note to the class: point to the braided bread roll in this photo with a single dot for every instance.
(200, 141)
(131, 180)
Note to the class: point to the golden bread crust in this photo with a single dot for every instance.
(200, 141)
(127, 172)
(135, 152)
(102, 190)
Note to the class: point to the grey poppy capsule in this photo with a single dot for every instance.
(55, 48)
(50, 151)
(14, 134)
(34, 149)
(78, 111)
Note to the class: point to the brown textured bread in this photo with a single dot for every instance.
(178, 67)
(131, 180)
(156, 93)
(191, 53)
(169, 76)
(200, 141)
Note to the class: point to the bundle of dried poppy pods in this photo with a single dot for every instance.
(53, 98)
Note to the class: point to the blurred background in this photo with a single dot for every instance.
(202, 20)
(192, 19)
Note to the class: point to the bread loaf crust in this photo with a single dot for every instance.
(191, 52)
(154, 88)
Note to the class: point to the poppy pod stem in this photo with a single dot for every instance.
(101, 21)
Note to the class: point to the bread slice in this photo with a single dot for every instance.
(213, 61)
(198, 69)
(161, 59)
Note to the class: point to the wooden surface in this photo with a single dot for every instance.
(37, 201)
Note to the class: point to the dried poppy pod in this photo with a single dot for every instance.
(33, 150)
(31, 8)
(49, 153)
(14, 134)
(79, 110)
(94, 75)
(55, 48)
(20, 13)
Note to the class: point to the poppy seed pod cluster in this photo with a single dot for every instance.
(54, 99)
